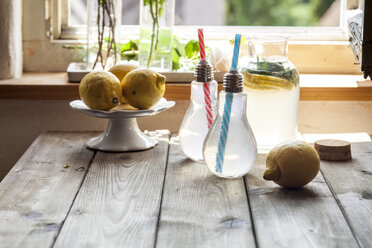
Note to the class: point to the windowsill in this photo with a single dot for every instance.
(54, 86)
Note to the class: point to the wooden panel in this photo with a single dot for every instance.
(352, 184)
(177, 92)
(307, 217)
(42, 92)
(336, 94)
(49, 86)
(323, 57)
(118, 204)
(200, 209)
(37, 193)
(54, 86)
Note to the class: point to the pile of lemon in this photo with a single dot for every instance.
(122, 84)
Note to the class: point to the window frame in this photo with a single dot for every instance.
(327, 46)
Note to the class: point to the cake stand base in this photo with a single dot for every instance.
(122, 135)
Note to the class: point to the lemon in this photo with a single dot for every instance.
(100, 90)
(292, 164)
(265, 82)
(143, 88)
(120, 71)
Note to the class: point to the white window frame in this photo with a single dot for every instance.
(312, 49)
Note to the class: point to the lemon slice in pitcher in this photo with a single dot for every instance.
(265, 82)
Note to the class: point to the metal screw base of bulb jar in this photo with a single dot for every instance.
(233, 82)
(204, 71)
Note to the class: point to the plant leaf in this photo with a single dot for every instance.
(192, 48)
(130, 45)
(180, 47)
(129, 50)
(176, 59)
(161, 10)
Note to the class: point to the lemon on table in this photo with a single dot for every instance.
(120, 71)
(143, 88)
(100, 90)
(292, 164)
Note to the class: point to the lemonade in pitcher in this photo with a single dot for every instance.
(271, 82)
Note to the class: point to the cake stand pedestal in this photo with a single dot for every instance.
(122, 133)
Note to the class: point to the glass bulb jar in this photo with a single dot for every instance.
(103, 34)
(271, 82)
(233, 154)
(199, 116)
(156, 34)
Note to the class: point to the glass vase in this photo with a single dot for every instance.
(156, 34)
(103, 34)
(271, 82)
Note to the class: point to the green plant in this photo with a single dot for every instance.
(186, 52)
(129, 50)
(275, 13)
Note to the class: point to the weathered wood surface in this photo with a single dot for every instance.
(119, 202)
(307, 217)
(201, 210)
(159, 198)
(37, 193)
(351, 183)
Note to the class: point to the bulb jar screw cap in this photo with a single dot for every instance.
(233, 81)
(204, 71)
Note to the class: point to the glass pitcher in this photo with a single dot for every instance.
(271, 82)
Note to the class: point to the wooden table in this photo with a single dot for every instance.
(159, 198)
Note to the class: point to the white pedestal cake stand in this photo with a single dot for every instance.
(122, 132)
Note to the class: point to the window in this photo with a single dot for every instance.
(232, 12)
(242, 13)
(313, 49)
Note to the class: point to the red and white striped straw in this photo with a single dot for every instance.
(208, 104)
(201, 44)
(207, 92)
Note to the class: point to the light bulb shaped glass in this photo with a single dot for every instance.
(194, 126)
(240, 150)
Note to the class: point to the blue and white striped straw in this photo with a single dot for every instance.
(224, 130)
(234, 64)
(227, 112)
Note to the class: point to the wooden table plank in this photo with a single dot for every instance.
(307, 217)
(119, 202)
(200, 209)
(37, 193)
(351, 182)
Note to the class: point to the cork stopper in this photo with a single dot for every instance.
(333, 150)
(233, 81)
(204, 71)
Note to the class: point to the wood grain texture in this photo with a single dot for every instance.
(54, 86)
(118, 204)
(351, 182)
(307, 217)
(336, 94)
(37, 193)
(200, 209)
(324, 57)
